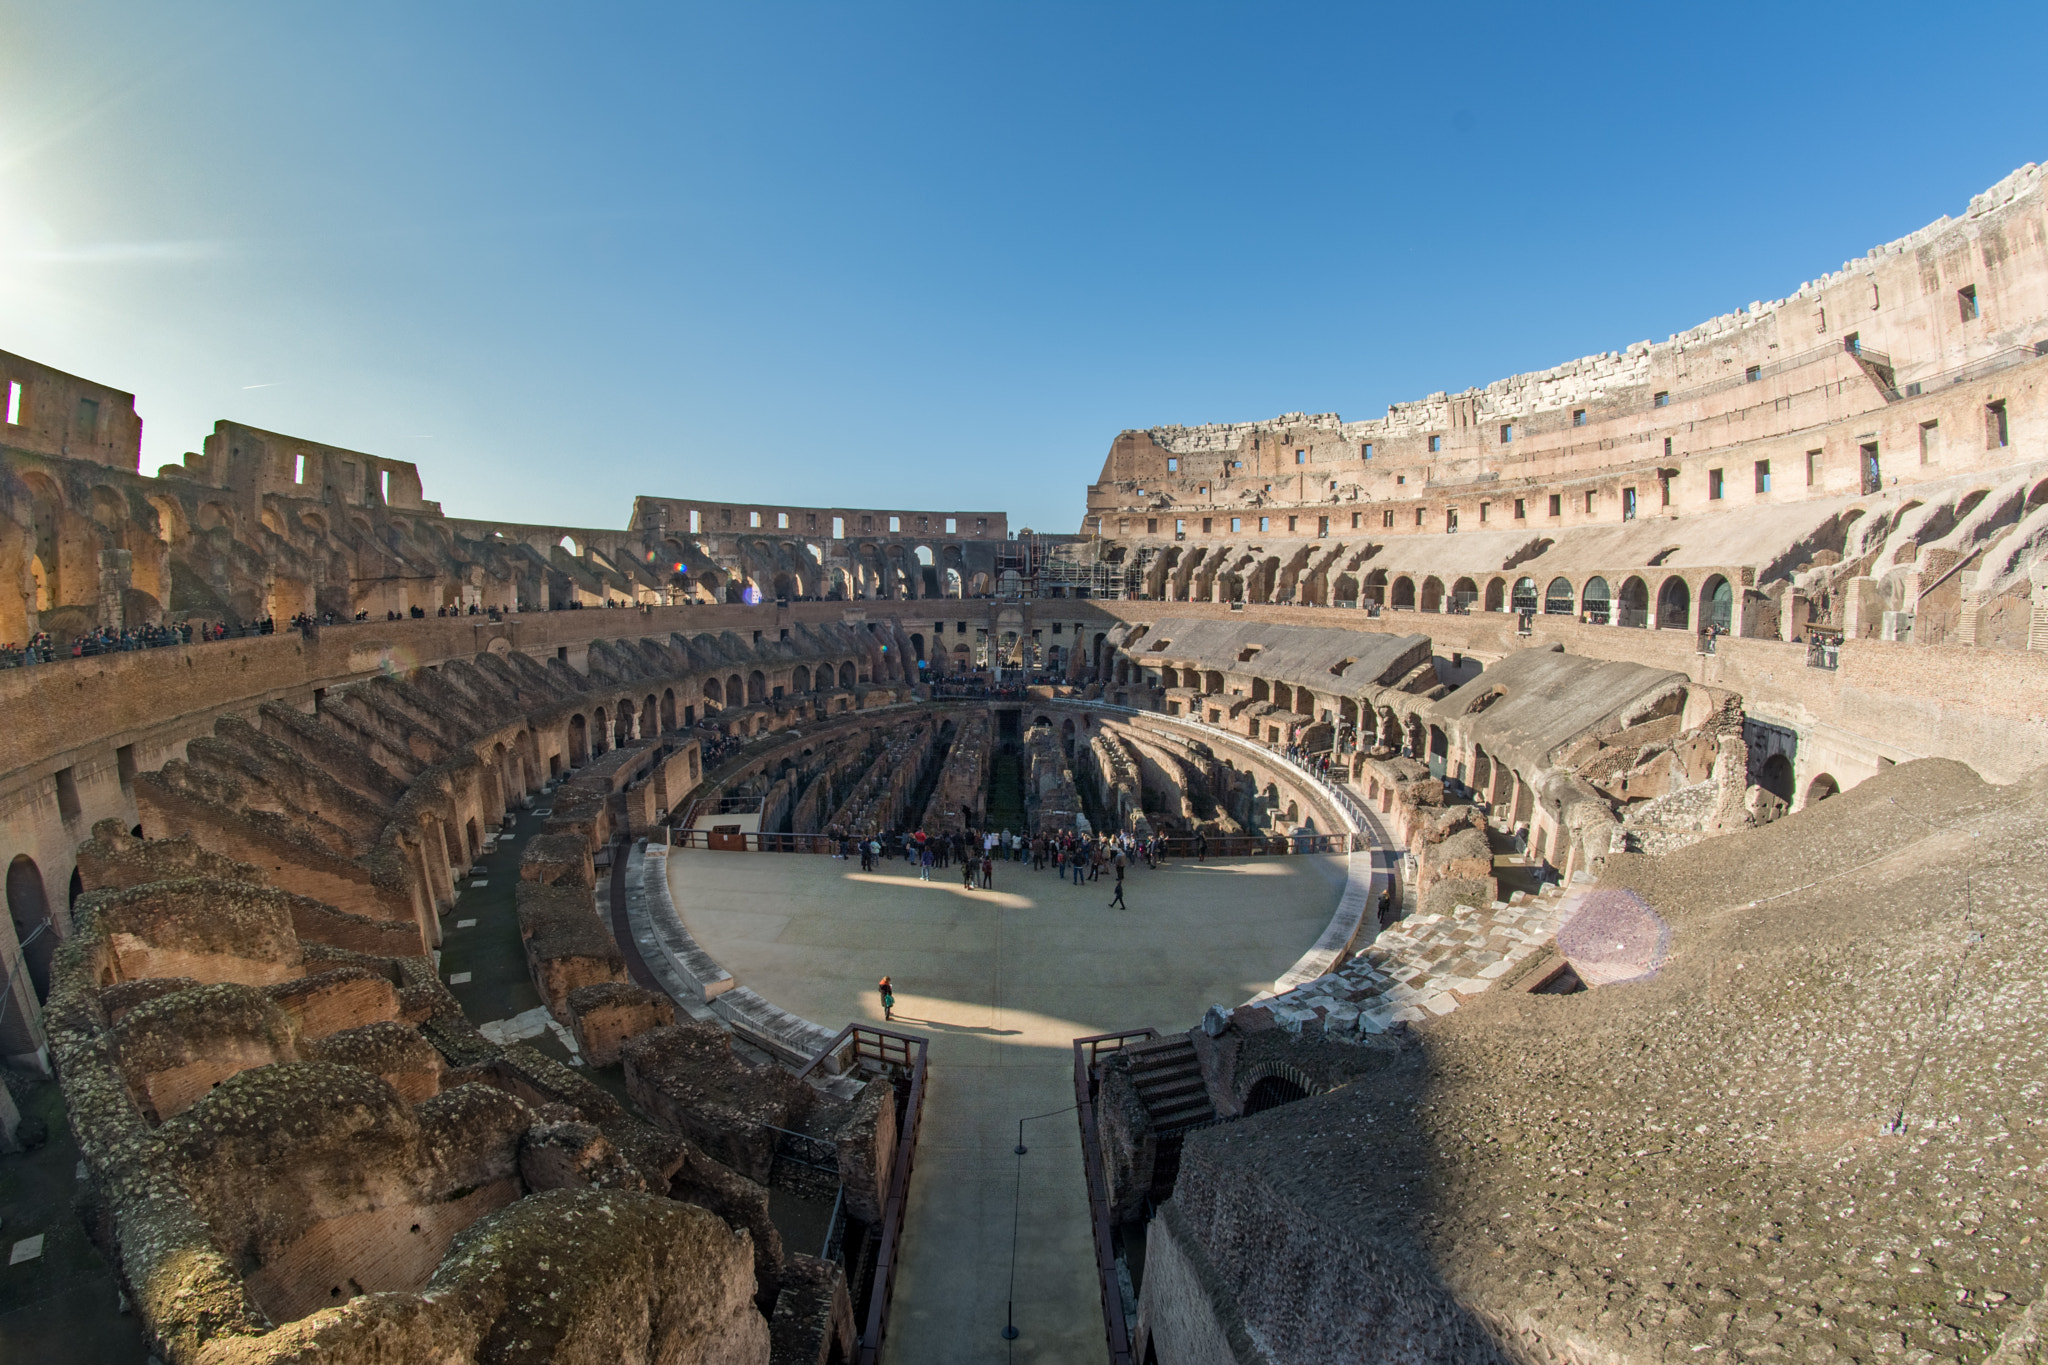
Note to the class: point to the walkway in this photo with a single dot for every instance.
(1001, 981)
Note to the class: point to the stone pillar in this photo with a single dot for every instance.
(1792, 619)
(1966, 621)
(1860, 616)
(2037, 625)
(116, 572)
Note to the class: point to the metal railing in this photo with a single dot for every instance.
(1976, 369)
(1824, 652)
(1116, 1327)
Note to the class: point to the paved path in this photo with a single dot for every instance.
(1001, 981)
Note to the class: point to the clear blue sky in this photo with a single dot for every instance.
(929, 255)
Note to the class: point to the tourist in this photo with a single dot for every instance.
(967, 872)
(1118, 898)
(988, 870)
(924, 864)
(888, 999)
(1201, 846)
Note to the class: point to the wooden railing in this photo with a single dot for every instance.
(885, 1048)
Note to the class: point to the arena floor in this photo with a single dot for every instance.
(1001, 981)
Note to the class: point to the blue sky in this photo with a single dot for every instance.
(928, 255)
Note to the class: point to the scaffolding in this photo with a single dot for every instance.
(1076, 568)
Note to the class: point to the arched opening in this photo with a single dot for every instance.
(846, 675)
(1432, 593)
(1270, 1092)
(1595, 603)
(622, 725)
(1523, 598)
(1464, 595)
(1717, 604)
(800, 678)
(29, 907)
(714, 693)
(1633, 607)
(1775, 777)
(1821, 788)
(1212, 683)
(476, 848)
(1496, 594)
(1558, 598)
(1674, 605)
(579, 741)
(757, 687)
(668, 709)
(1404, 594)
(600, 727)
(1375, 589)
(735, 691)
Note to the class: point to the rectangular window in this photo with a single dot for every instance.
(810, 521)
(1664, 490)
(1203, 490)
(1265, 523)
(1763, 476)
(1713, 485)
(1208, 525)
(13, 403)
(1966, 302)
(1812, 468)
(1660, 400)
(1436, 443)
(725, 515)
(1365, 451)
(1578, 417)
(1450, 519)
(1180, 527)
(782, 521)
(1290, 526)
(1667, 447)
(1151, 526)
(87, 418)
(981, 526)
(952, 526)
(1482, 510)
(1930, 442)
(1996, 433)
(1557, 504)
(1322, 526)
(1589, 502)
(1123, 526)
(1173, 464)
(1628, 504)
(1507, 432)
(1400, 478)
(838, 528)
(1236, 525)
(298, 469)
(1418, 516)
(1752, 374)
(124, 757)
(895, 525)
(1521, 509)
(753, 519)
(1356, 520)
(696, 521)
(384, 484)
(1301, 457)
(67, 794)
(1387, 519)
(924, 524)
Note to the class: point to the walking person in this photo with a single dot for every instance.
(967, 871)
(1118, 898)
(888, 999)
(924, 864)
(988, 870)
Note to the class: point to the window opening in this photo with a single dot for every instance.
(1812, 468)
(1578, 417)
(298, 469)
(1436, 443)
(13, 403)
(1763, 476)
(1713, 484)
(1996, 433)
(1557, 504)
(1930, 440)
(1660, 400)
(1966, 301)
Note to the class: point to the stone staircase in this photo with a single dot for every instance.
(1169, 1082)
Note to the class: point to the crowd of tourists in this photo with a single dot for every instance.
(1070, 855)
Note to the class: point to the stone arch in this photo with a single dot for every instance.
(1523, 597)
(714, 693)
(846, 675)
(668, 709)
(800, 678)
(735, 691)
(1496, 594)
(1403, 598)
(1633, 606)
(1558, 598)
(1821, 788)
(1674, 604)
(1464, 595)
(600, 727)
(1776, 777)
(1375, 589)
(757, 687)
(1432, 593)
(579, 741)
(28, 905)
(1595, 602)
(1717, 603)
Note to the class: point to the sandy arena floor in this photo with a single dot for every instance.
(1001, 981)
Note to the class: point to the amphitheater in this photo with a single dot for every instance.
(1583, 841)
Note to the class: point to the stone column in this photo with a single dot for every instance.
(2037, 625)
(1966, 621)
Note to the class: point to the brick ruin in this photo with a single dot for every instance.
(1683, 703)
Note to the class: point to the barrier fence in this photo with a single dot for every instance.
(1116, 1326)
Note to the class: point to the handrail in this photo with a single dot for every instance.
(1115, 1326)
